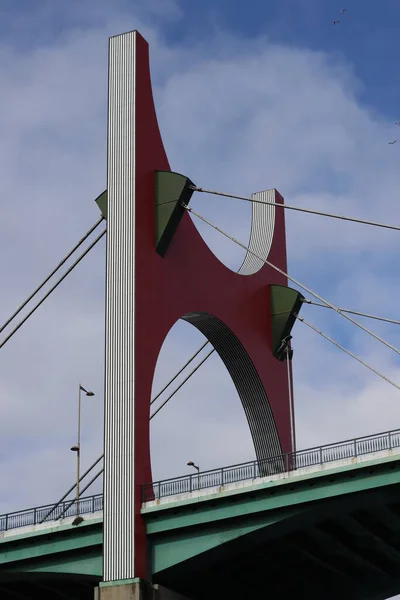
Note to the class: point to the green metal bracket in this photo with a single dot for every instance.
(285, 304)
(172, 190)
(101, 202)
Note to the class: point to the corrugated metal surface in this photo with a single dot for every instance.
(262, 232)
(247, 381)
(120, 307)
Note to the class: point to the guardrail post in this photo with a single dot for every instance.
(320, 455)
(34, 516)
(92, 504)
(6, 524)
(254, 469)
(355, 448)
(222, 476)
(190, 484)
(390, 441)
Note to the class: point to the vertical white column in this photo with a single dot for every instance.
(119, 488)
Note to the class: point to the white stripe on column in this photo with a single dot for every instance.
(120, 309)
(262, 232)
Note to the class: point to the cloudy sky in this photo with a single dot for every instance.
(274, 97)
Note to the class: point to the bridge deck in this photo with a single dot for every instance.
(334, 525)
(224, 480)
(283, 478)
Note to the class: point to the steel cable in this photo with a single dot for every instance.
(53, 272)
(293, 280)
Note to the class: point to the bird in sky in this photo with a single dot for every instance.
(336, 22)
(394, 141)
(343, 10)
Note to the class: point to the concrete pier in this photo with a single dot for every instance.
(135, 590)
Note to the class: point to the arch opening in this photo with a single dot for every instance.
(243, 377)
(204, 421)
(248, 384)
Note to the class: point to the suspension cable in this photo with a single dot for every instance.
(348, 352)
(53, 272)
(71, 489)
(355, 312)
(293, 280)
(181, 384)
(53, 288)
(297, 208)
(92, 481)
(179, 372)
(153, 415)
(81, 492)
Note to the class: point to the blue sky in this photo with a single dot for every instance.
(367, 36)
(247, 99)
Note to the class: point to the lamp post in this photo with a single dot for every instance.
(191, 464)
(77, 447)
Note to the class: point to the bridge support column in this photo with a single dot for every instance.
(137, 589)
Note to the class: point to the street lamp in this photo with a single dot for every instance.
(191, 464)
(77, 447)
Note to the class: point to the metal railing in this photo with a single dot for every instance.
(50, 512)
(272, 466)
(215, 478)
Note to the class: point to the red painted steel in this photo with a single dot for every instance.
(190, 279)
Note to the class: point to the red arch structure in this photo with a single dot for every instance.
(147, 292)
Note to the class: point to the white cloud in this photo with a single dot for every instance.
(238, 116)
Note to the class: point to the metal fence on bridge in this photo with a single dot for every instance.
(215, 478)
(272, 466)
(51, 512)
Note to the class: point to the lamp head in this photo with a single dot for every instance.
(192, 464)
(87, 392)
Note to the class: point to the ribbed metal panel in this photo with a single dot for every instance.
(261, 234)
(120, 309)
(247, 381)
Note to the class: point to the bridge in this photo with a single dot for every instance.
(321, 523)
(240, 531)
